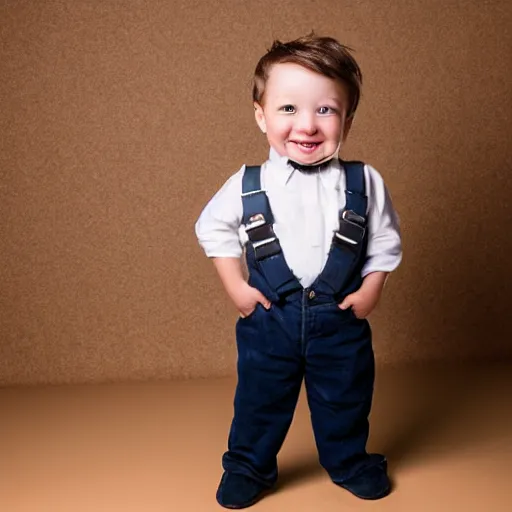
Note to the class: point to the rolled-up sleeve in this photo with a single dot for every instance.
(217, 228)
(384, 252)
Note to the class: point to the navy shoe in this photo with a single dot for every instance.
(371, 484)
(239, 491)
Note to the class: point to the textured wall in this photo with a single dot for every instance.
(120, 119)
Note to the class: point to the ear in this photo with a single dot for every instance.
(259, 115)
(346, 128)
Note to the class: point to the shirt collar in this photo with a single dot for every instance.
(284, 171)
(280, 166)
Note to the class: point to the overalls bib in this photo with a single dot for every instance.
(304, 335)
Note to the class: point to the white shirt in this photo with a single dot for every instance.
(305, 206)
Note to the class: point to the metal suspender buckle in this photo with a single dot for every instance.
(258, 230)
(262, 237)
(255, 221)
(352, 228)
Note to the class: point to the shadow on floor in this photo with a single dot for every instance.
(422, 414)
(418, 414)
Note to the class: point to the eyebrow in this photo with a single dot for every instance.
(281, 102)
(288, 102)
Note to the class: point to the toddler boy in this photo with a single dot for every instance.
(320, 236)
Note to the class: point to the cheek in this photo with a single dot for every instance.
(279, 130)
(333, 130)
(277, 139)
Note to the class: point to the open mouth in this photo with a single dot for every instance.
(306, 146)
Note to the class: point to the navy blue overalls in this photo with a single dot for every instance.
(304, 334)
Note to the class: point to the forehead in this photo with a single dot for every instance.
(295, 81)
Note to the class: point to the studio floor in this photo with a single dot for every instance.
(156, 447)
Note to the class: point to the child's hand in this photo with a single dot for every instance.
(246, 298)
(361, 302)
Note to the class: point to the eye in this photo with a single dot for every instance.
(326, 110)
(288, 109)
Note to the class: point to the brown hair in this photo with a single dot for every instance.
(323, 55)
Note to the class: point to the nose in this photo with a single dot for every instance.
(306, 123)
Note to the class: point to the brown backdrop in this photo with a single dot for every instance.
(120, 119)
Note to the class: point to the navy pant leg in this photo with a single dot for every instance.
(270, 373)
(339, 376)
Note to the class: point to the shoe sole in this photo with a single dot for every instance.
(383, 494)
(260, 496)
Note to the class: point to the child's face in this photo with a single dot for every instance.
(303, 113)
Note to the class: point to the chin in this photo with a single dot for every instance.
(307, 159)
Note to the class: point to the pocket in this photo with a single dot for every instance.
(346, 314)
(252, 313)
(351, 312)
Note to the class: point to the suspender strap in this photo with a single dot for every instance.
(348, 242)
(263, 244)
(255, 200)
(355, 188)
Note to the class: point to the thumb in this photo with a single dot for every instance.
(263, 300)
(347, 302)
